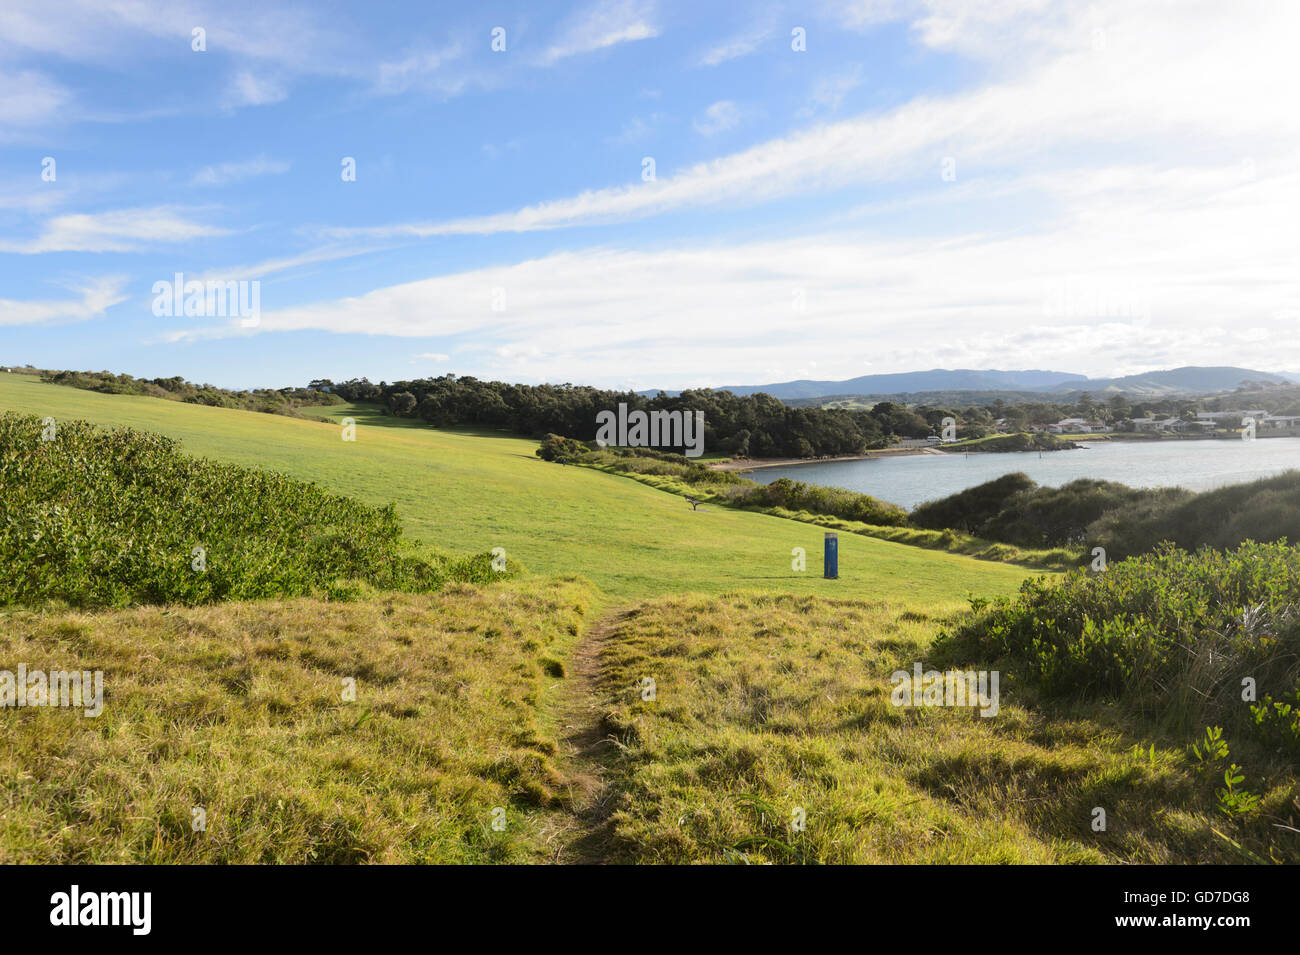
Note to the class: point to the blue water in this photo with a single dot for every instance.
(1196, 465)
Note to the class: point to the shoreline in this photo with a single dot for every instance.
(755, 464)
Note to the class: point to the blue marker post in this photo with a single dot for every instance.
(831, 557)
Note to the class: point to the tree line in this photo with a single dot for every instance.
(749, 426)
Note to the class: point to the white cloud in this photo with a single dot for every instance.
(1147, 266)
(224, 173)
(828, 92)
(606, 23)
(425, 70)
(720, 116)
(1143, 96)
(637, 129)
(30, 98)
(122, 230)
(735, 47)
(247, 89)
(431, 356)
(96, 297)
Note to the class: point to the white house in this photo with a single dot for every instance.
(1078, 426)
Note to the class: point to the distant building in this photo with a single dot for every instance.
(1078, 426)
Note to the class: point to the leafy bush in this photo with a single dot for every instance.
(285, 401)
(1277, 722)
(798, 496)
(971, 509)
(96, 517)
(1264, 510)
(1015, 510)
(557, 448)
(1172, 634)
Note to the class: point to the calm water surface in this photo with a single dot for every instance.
(1196, 465)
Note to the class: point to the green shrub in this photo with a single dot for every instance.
(1264, 510)
(1171, 634)
(971, 509)
(111, 518)
(1015, 510)
(1277, 722)
(834, 501)
(557, 448)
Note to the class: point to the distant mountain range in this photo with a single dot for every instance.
(1187, 380)
(937, 379)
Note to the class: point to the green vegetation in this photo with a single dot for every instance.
(825, 507)
(1016, 510)
(95, 517)
(288, 401)
(466, 493)
(724, 487)
(1263, 510)
(754, 424)
(771, 686)
(1179, 641)
(238, 709)
(1124, 521)
(1171, 634)
(763, 705)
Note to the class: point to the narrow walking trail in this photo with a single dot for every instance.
(585, 750)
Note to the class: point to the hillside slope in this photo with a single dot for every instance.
(242, 711)
(467, 493)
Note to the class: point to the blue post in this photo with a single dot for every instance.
(831, 557)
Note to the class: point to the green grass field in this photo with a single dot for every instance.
(525, 696)
(467, 493)
(765, 705)
(509, 695)
(240, 710)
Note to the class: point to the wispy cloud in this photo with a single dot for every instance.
(426, 71)
(1081, 99)
(30, 98)
(637, 129)
(829, 91)
(1145, 264)
(249, 89)
(742, 44)
(222, 174)
(607, 23)
(121, 230)
(721, 116)
(96, 297)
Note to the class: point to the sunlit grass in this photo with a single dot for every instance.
(238, 709)
(467, 493)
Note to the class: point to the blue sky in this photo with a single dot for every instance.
(839, 188)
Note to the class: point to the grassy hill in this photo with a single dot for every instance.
(239, 710)
(467, 493)
(524, 700)
(765, 705)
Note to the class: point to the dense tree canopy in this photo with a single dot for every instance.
(754, 425)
